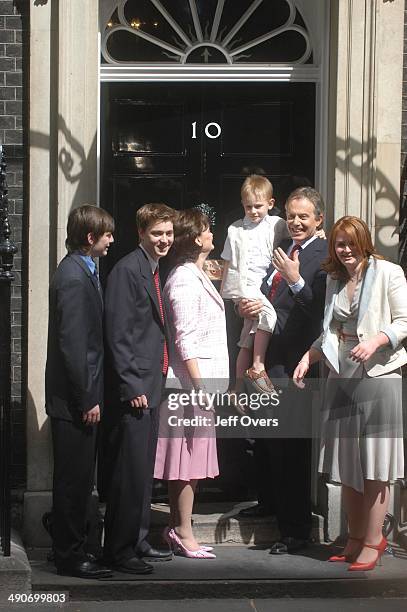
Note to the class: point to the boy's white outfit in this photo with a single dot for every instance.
(248, 250)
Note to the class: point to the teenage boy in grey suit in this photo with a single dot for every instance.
(74, 384)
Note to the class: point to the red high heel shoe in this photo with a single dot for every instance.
(346, 558)
(364, 567)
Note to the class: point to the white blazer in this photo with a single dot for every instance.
(196, 317)
(382, 308)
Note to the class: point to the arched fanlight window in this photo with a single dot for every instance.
(202, 32)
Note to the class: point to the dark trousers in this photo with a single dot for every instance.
(262, 475)
(288, 483)
(129, 461)
(74, 447)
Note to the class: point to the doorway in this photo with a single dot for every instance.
(187, 143)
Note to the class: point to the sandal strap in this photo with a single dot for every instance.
(258, 378)
(255, 375)
(263, 374)
(374, 546)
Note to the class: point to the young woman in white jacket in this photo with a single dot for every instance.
(365, 322)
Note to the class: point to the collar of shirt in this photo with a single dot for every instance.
(248, 224)
(153, 263)
(89, 262)
(302, 245)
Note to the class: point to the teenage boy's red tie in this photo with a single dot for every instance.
(160, 303)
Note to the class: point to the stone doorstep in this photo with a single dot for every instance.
(237, 572)
(219, 523)
(243, 567)
(214, 523)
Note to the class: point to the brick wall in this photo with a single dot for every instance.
(13, 107)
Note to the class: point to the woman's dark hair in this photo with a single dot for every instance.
(188, 225)
(358, 233)
(86, 219)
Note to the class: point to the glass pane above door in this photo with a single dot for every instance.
(202, 32)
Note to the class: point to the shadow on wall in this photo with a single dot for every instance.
(72, 159)
(386, 207)
(40, 462)
(77, 168)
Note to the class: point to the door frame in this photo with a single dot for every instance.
(273, 73)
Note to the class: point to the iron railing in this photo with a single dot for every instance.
(7, 252)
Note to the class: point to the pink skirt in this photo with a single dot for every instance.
(186, 453)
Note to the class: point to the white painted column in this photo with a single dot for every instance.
(365, 134)
(389, 42)
(367, 83)
(64, 66)
(77, 109)
(39, 458)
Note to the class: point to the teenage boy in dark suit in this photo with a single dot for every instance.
(137, 362)
(74, 384)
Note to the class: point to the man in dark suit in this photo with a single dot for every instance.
(295, 285)
(74, 384)
(137, 364)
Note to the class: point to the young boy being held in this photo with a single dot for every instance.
(248, 252)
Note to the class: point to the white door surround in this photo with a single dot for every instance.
(315, 15)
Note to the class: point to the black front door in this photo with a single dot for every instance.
(183, 144)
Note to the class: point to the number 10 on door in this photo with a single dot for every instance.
(212, 130)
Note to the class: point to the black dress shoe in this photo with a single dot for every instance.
(154, 555)
(288, 545)
(133, 566)
(85, 569)
(257, 511)
(89, 556)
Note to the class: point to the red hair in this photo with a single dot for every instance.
(358, 233)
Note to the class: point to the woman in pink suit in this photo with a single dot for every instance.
(198, 364)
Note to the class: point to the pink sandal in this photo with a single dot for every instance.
(168, 540)
(181, 550)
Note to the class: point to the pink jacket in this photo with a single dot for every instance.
(196, 319)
